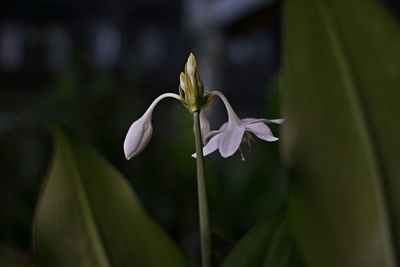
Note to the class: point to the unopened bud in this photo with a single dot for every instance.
(191, 65)
(138, 136)
(191, 85)
(182, 79)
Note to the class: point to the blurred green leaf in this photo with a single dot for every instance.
(341, 136)
(268, 244)
(89, 216)
(9, 258)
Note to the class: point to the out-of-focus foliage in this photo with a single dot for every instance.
(341, 149)
(269, 243)
(72, 98)
(89, 216)
(341, 136)
(98, 108)
(9, 258)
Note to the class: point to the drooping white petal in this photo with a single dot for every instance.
(204, 126)
(215, 132)
(139, 134)
(149, 111)
(275, 121)
(223, 127)
(138, 137)
(210, 147)
(262, 131)
(229, 140)
(232, 117)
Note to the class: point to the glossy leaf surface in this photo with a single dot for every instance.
(269, 243)
(340, 138)
(88, 215)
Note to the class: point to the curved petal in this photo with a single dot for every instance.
(262, 131)
(204, 126)
(215, 132)
(229, 140)
(232, 117)
(149, 111)
(223, 127)
(137, 138)
(139, 134)
(276, 121)
(211, 146)
(252, 120)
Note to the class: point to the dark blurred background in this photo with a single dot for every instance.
(93, 67)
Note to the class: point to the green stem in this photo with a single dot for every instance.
(202, 195)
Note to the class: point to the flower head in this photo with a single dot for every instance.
(139, 134)
(229, 137)
(191, 87)
(191, 95)
(204, 126)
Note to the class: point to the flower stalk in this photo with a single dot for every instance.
(202, 195)
(226, 139)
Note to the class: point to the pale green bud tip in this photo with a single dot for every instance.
(191, 65)
(182, 81)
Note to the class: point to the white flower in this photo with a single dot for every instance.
(228, 138)
(139, 133)
(204, 126)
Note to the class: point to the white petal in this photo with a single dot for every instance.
(232, 117)
(223, 127)
(276, 121)
(215, 132)
(251, 120)
(138, 136)
(210, 147)
(204, 126)
(149, 111)
(229, 140)
(262, 131)
(139, 133)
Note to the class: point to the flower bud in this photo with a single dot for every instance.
(192, 85)
(138, 136)
(182, 81)
(191, 65)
